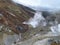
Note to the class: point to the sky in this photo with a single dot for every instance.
(54, 4)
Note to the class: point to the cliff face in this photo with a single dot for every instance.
(14, 14)
(17, 9)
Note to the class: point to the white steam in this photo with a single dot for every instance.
(55, 29)
(37, 20)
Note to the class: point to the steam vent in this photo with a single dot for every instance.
(23, 25)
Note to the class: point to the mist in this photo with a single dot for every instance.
(37, 4)
(37, 20)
